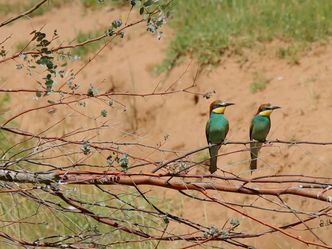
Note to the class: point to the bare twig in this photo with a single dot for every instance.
(12, 19)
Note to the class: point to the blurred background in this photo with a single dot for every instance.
(246, 52)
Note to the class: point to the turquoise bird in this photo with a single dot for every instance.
(216, 130)
(259, 128)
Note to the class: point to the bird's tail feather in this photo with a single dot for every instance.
(254, 149)
(213, 158)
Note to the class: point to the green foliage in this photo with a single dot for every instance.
(21, 45)
(92, 91)
(39, 222)
(257, 86)
(202, 157)
(5, 140)
(46, 7)
(208, 29)
(94, 4)
(6, 8)
(259, 83)
(290, 53)
(86, 148)
(4, 100)
(9, 145)
(3, 51)
(90, 47)
(45, 58)
(123, 162)
(103, 113)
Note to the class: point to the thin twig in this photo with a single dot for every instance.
(23, 14)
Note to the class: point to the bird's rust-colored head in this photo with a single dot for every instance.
(219, 106)
(266, 109)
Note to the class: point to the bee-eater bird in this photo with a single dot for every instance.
(216, 130)
(259, 128)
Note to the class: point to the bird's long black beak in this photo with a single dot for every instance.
(275, 107)
(227, 104)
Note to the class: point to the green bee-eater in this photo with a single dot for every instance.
(259, 128)
(216, 130)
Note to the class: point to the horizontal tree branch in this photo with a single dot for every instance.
(120, 178)
(27, 177)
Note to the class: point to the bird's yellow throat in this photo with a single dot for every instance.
(219, 110)
(266, 113)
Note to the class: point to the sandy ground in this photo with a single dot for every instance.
(304, 91)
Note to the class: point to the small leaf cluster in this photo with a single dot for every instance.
(235, 222)
(92, 91)
(3, 52)
(44, 57)
(86, 148)
(122, 160)
(212, 231)
(104, 113)
(154, 12)
(117, 23)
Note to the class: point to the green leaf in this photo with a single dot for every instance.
(117, 23)
(86, 148)
(49, 84)
(235, 222)
(103, 113)
(40, 36)
(110, 32)
(123, 161)
(45, 43)
(38, 94)
(147, 3)
(92, 91)
(165, 219)
(110, 160)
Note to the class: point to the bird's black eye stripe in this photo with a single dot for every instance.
(267, 108)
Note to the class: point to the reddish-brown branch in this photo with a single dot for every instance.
(146, 180)
(120, 178)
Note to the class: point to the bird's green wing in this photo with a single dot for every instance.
(207, 130)
(269, 125)
(251, 127)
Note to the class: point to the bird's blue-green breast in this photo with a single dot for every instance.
(217, 128)
(260, 127)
